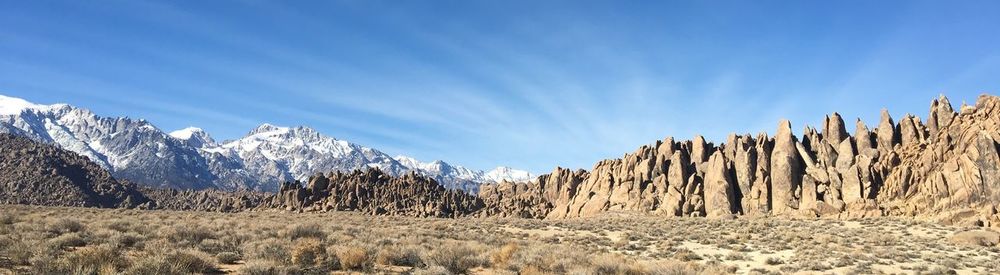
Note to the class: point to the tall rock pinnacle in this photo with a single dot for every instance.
(785, 169)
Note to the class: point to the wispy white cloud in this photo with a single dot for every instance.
(472, 85)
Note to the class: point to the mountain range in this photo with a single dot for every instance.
(138, 151)
(944, 168)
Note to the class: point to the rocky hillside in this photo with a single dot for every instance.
(944, 168)
(40, 174)
(374, 192)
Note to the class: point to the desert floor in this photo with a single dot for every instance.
(58, 240)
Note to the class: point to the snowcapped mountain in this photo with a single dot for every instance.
(194, 136)
(131, 149)
(278, 154)
(463, 178)
(190, 158)
(504, 173)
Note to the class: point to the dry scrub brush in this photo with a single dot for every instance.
(54, 240)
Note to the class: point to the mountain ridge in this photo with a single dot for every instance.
(190, 158)
(946, 170)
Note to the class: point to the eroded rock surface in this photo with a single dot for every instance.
(947, 170)
(204, 200)
(377, 193)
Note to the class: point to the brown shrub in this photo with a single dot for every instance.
(548, 258)
(354, 258)
(673, 268)
(502, 256)
(188, 234)
(125, 240)
(268, 250)
(47, 264)
(456, 257)
(398, 256)
(7, 219)
(227, 257)
(192, 261)
(260, 268)
(63, 226)
(306, 231)
(686, 255)
(93, 260)
(308, 252)
(68, 240)
(212, 246)
(608, 264)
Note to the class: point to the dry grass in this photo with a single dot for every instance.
(51, 240)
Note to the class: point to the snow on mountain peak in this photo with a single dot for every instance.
(446, 172)
(284, 153)
(194, 136)
(411, 163)
(269, 129)
(189, 158)
(504, 173)
(186, 133)
(14, 106)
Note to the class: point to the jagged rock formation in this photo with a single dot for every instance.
(204, 200)
(375, 192)
(947, 170)
(40, 174)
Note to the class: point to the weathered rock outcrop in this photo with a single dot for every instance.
(374, 192)
(947, 170)
(786, 170)
(204, 200)
(42, 174)
(720, 196)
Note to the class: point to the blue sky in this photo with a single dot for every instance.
(533, 84)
